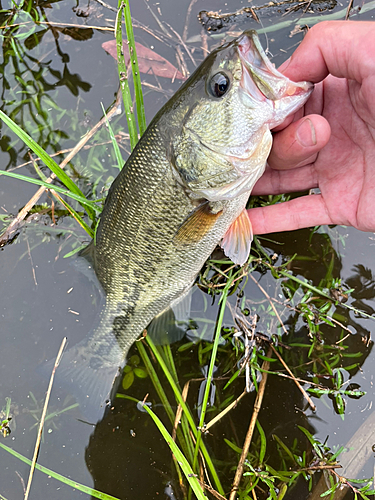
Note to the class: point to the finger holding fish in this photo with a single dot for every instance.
(333, 148)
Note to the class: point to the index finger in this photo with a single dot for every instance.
(344, 49)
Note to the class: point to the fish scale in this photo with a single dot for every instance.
(182, 191)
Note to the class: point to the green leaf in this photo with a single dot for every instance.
(81, 199)
(337, 453)
(123, 76)
(233, 377)
(331, 490)
(128, 380)
(313, 441)
(235, 448)
(182, 462)
(263, 442)
(140, 372)
(59, 477)
(135, 69)
(119, 158)
(73, 252)
(134, 360)
(284, 447)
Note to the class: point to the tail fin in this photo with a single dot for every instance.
(87, 377)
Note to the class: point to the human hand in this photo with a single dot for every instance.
(330, 144)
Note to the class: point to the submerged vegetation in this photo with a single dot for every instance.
(301, 332)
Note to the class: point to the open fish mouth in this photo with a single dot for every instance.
(262, 84)
(262, 81)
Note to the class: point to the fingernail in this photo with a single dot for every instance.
(306, 135)
(285, 64)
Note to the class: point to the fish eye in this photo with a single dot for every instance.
(219, 84)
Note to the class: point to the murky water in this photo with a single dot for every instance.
(44, 297)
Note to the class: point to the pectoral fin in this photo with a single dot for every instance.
(197, 224)
(237, 240)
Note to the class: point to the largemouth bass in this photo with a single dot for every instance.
(182, 191)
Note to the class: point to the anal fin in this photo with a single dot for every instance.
(237, 240)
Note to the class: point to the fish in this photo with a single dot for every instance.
(183, 191)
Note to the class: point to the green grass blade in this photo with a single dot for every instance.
(119, 158)
(168, 357)
(49, 162)
(311, 20)
(187, 412)
(123, 75)
(184, 440)
(76, 216)
(58, 189)
(183, 463)
(135, 69)
(59, 477)
(223, 299)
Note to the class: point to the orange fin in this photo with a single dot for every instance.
(197, 224)
(237, 240)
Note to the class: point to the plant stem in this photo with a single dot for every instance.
(135, 69)
(123, 75)
(249, 435)
(182, 439)
(215, 346)
(187, 412)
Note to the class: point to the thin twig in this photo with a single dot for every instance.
(320, 467)
(64, 25)
(22, 482)
(181, 62)
(204, 42)
(270, 301)
(107, 6)
(306, 396)
(31, 261)
(42, 418)
(182, 43)
(211, 490)
(284, 375)
(14, 225)
(225, 411)
(350, 6)
(187, 19)
(161, 25)
(179, 411)
(249, 435)
(118, 138)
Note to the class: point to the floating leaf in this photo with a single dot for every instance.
(148, 60)
(140, 372)
(128, 380)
